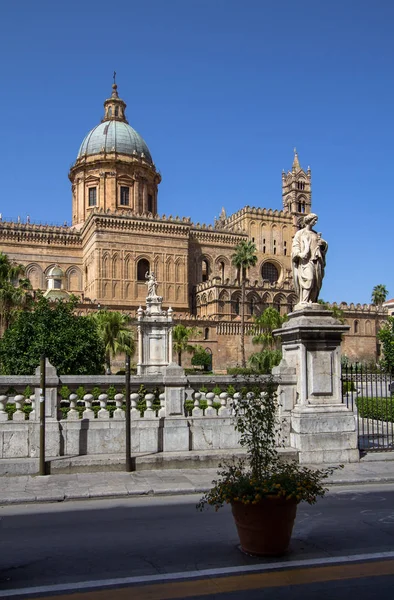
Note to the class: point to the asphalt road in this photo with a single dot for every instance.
(146, 541)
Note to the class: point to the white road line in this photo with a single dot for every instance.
(124, 581)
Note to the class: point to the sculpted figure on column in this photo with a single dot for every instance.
(308, 258)
(152, 284)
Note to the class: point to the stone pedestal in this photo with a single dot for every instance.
(154, 337)
(322, 429)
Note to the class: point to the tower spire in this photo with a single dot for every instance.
(296, 162)
(115, 107)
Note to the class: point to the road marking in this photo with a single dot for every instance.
(284, 567)
(221, 585)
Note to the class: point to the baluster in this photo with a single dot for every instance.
(149, 413)
(223, 410)
(210, 411)
(162, 410)
(237, 396)
(119, 412)
(32, 414)
(3, 413)
(134, 412)
(19, 415)
(88, 413)
(73, 414)
(103, 413)
(197, 411)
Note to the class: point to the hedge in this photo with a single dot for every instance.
(381, 409)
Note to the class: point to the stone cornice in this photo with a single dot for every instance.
(210, 235)
(39, 234)
(117, 221)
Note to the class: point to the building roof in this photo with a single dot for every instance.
(114, 136)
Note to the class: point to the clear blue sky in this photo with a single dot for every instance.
(221, 91)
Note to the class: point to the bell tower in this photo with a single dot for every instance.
(296, 189)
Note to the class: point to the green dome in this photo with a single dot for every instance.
(114, 136)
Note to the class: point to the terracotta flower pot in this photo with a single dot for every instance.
(265, 528)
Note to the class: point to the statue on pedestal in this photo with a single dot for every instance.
(308, 257)
(152, 284)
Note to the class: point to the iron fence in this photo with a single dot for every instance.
(370, 395)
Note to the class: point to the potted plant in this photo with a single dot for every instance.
(263, 490)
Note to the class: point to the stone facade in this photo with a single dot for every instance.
(117, 236)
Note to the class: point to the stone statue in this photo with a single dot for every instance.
(308, 256)
(152, 284)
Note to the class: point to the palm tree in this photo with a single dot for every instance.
(244, 258)
(379, 294)
(113, 329)
(180, 340)
(264, 325)
(15, 291)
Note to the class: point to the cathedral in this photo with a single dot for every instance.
(117, 236)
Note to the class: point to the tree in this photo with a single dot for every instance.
(15, 291)
(270, 354)
(70, 342)
(386, 336)
(113, 329)
(379, 294)
(180, 340)
(202, 358)
(264, 325)
(244, 258)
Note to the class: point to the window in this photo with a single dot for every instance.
(206, 333)
(143, 267)
(124, 195)
(116, 111)
(205, 270)
(57, 284)
(150, 203)
(237, 305)
(355, 326)
(110, 111)
(92, 196)
(274, 246)
(252, 306)
(285, 248)
(270, 272)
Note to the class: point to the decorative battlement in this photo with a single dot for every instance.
(39, 234)
(118, 220)
(366, 308)
(255, 211)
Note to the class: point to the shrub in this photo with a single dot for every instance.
(64, 392)
(80, 392)
(381, 409)
(348, 386)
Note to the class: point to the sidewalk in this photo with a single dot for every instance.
(373, 468)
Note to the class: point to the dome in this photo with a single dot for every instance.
(114, 136)
(55, 271)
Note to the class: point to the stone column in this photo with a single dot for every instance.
(323, 429)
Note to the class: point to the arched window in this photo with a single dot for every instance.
(264, 245)
(206, 333)
(252, 306)
(270, 272)
(116, 111)
(221, 267)
(143, 267)
(205, 270)
(110, 111)
(356, 326)
(237, 306)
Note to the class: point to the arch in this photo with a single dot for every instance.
(205, 269)
(221, 267)
(253, 304)
(74, 279)
(223, 300)
(115, 266)
(206, 333)
(104, 265)
(270, 272)
(368, 328)
(291, 302)
(169, 269)
(210, 297)
(236, 303)
(34, 273)
(278, 302)
(157, 268)
(178, 295)
(356, 326)
(127, 266)
(105, 289)
(179, 270)
(143, 267)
